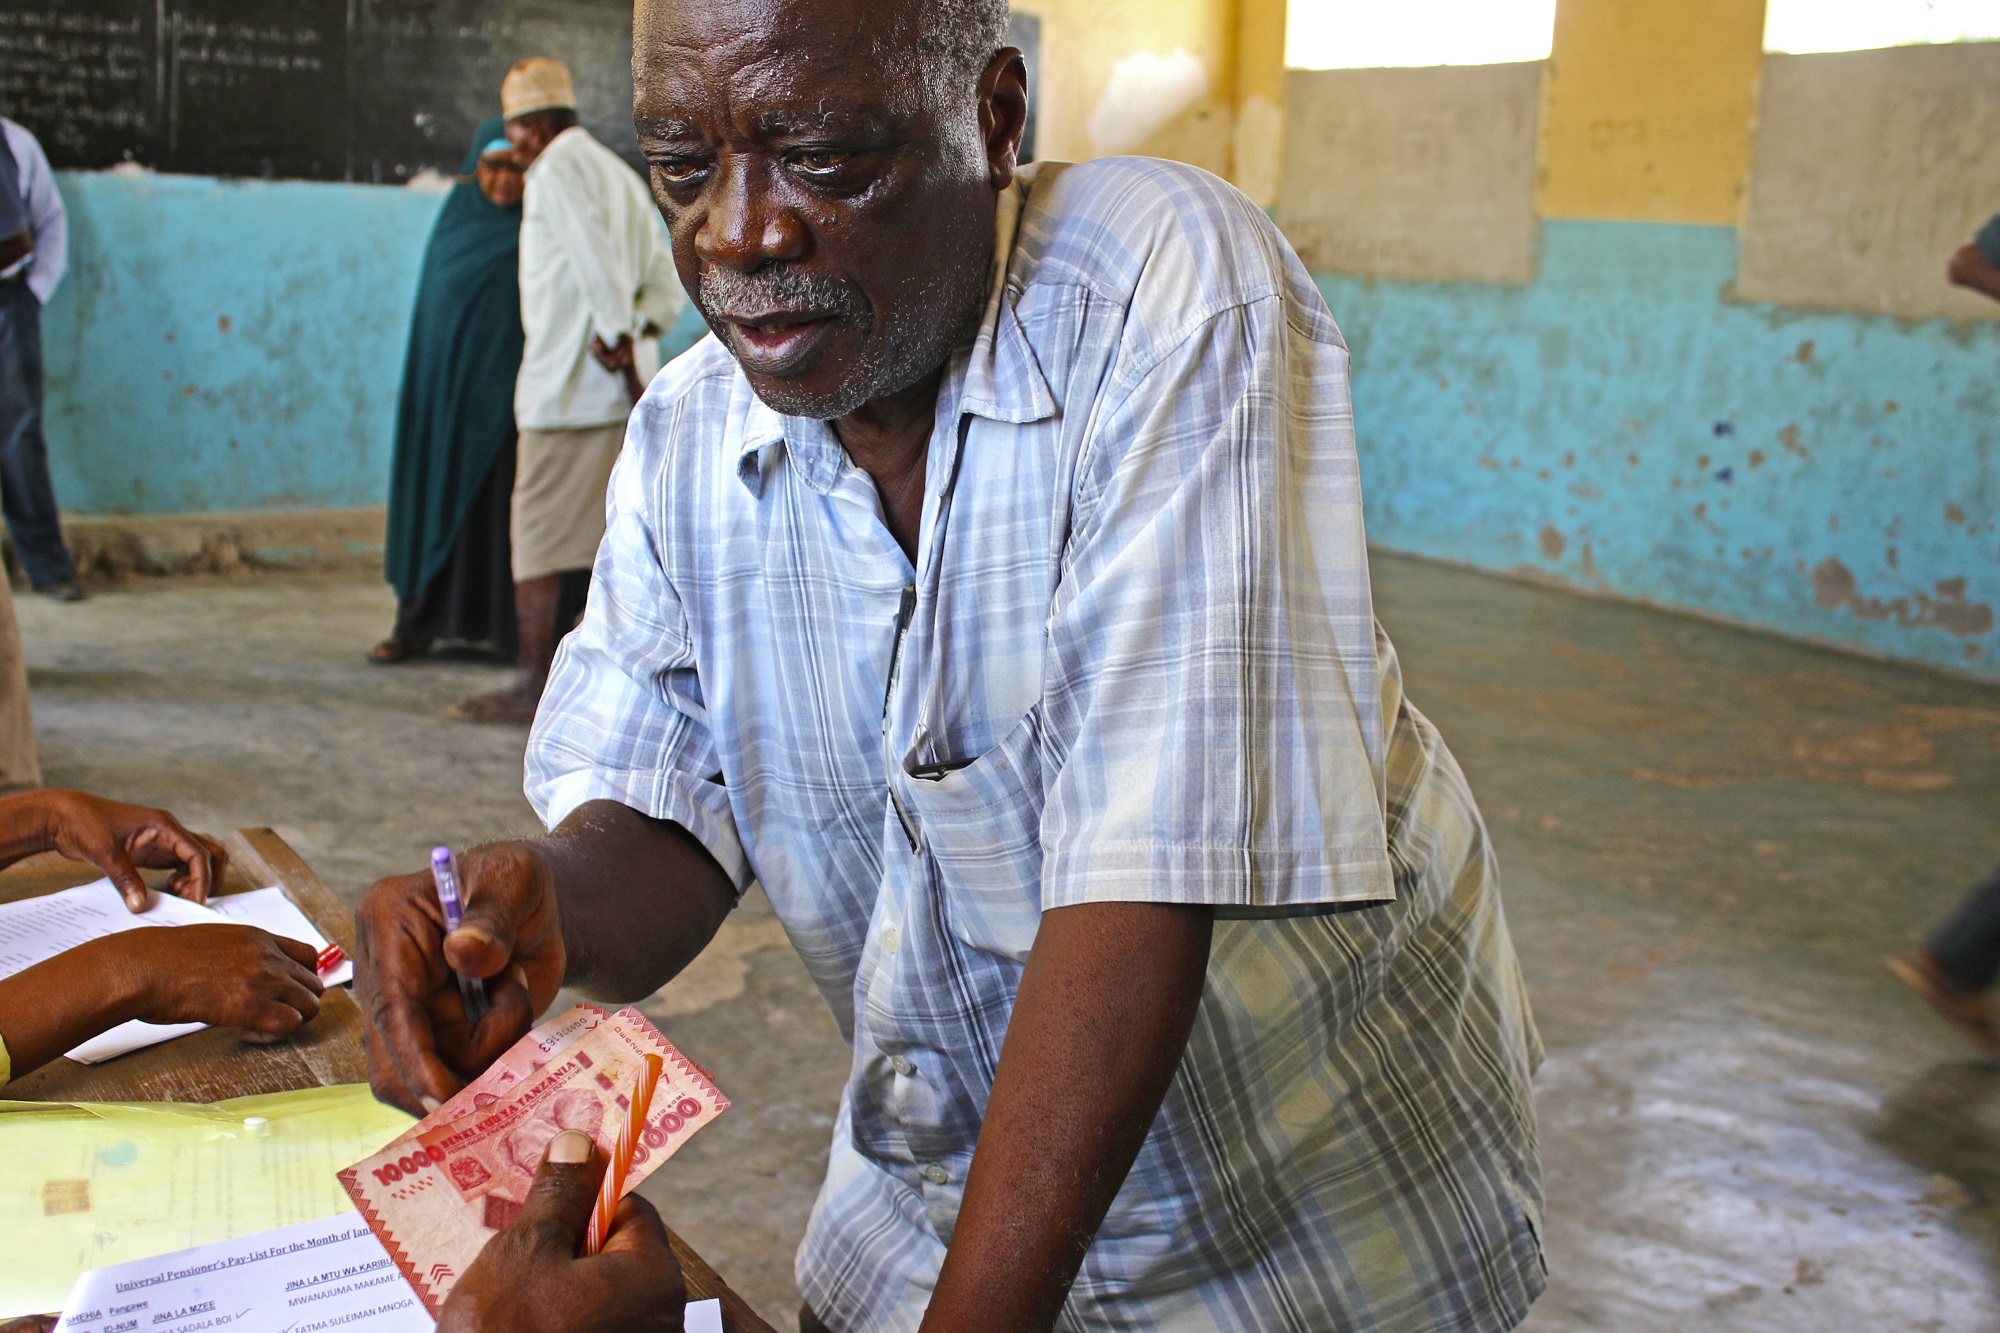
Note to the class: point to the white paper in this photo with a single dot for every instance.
(35, 929)
(332, 1273)
(328, 1274)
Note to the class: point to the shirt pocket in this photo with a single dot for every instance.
(981, 824)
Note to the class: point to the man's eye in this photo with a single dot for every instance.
(819, 159)
(679, 170)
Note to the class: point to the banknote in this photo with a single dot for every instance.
(520, 1060)
(437, 1194)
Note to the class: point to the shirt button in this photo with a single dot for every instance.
(937, 1175)
(902, 1066)
(891, 938)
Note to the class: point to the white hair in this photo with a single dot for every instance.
(962, 35)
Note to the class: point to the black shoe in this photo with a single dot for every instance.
(63, 590)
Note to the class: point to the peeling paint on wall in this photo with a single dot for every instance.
(1835, 588)
(1144, 94)
(1686, 443)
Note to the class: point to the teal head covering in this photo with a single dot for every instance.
(455, 411)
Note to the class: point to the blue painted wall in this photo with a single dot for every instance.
(1621, 424)
(226, 344)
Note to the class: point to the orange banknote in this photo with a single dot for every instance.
(437, 1194)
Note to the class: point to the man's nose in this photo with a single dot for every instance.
(746, 225)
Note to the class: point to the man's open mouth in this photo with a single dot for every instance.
(776, 343)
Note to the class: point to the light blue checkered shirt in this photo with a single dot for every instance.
(1136, 659)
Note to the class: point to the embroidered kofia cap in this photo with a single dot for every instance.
(536, 84)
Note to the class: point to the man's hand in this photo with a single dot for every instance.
(225, 975)
(421, 1049)
(529, 1279)
(619, 361)
(116, 838)
(639, 899)
(14, 249)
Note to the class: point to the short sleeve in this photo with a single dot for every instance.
(1212, 717)
(622, 718)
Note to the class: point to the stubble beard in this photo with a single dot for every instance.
(906, 351)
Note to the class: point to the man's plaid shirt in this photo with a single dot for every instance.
(1135, 659)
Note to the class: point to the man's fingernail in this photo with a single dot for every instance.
(429, 1104)
(569, 1148)
(521, 975)
(478, 933)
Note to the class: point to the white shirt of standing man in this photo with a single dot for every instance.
(594, 263)
(46, 221)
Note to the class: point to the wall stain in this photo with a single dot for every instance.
(1756, 458)
(1552, 542)
(1835, 588)
(1954, 514)
(1805, 353)
(1789, 437)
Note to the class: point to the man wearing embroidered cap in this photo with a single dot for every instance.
(597, 286)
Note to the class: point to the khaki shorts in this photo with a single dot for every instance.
(560, 477)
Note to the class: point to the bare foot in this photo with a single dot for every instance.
(516, 704)
(396, 648)
(1959, 1003)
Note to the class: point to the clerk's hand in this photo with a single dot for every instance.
(421, 1048)
(31, 1323)
(222, 974)
(529, 1279)
(117, 838)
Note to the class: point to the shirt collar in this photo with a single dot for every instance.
(1002, 379)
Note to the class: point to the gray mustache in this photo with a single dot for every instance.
(775, 289)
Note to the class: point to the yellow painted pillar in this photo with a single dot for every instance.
(1257, 146)
(1648, 109)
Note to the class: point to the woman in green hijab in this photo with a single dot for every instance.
(453, 473)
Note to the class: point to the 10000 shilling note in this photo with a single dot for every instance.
(437, 1194)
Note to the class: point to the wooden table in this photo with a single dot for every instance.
(214, 1066)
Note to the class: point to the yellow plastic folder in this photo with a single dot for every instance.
(90, 1184)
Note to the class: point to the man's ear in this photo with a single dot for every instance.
(1003, 114)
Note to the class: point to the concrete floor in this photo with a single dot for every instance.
(1710, 838)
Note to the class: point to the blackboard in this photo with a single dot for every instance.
(369, 90)
(365, 90)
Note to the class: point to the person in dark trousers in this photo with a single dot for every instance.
(452, 477)
(1956, 968)
(1958, 964)
(33, 254)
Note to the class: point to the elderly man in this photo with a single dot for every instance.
(597, 286)
(991, 589)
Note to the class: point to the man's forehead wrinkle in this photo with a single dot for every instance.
(827, 114)
(667, 128)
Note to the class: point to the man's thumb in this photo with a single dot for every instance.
(124, 878)
(565, 1188)
(483, 944)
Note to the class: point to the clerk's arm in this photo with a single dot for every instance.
(220, 973)
(1106, 1003)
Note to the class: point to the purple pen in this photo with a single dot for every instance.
(444, 873)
